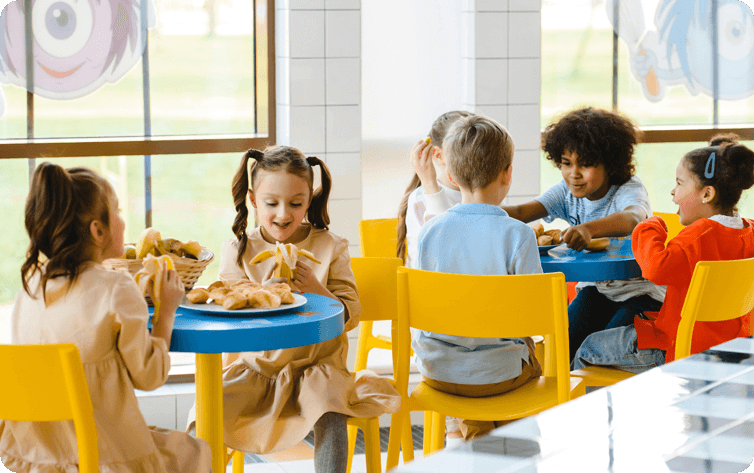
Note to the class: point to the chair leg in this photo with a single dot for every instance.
(352, 432)
(427, 433)
(394, 441)
(438, 432)
(238, 461)
(407, 440)
(372, 446)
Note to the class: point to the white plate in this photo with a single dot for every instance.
(214, 309)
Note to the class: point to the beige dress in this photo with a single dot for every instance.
(105, 316)
(273, 398)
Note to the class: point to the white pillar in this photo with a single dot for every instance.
(502, 51)
(318, 49)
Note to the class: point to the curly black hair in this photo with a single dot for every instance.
(598, 137)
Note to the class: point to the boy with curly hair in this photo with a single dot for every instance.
(599, 196)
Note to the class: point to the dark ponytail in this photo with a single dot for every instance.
(730, 172)
(59, 210)
(240, 190)
(317, 213)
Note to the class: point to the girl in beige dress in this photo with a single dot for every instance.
(69, 297)
(273, 399)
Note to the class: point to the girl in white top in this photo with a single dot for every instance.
(430, 192)
(74, 224)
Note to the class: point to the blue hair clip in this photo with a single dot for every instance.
(709, 169)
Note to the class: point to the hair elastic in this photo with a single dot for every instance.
(710, 165)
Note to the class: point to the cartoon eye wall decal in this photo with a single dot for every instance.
(62, 27)
(736, 33)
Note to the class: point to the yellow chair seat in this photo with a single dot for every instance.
(529, 399)
(594, 376)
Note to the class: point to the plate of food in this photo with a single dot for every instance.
(546, 240)
(242, 298)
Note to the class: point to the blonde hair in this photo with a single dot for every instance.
(477, 149)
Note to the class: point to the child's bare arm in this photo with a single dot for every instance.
(622, 223)
(526, 212)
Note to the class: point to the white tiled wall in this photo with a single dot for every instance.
(319, 96)
(502, 48)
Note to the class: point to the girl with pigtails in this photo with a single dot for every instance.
(708, 185)
(273, 399)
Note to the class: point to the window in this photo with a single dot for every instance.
(578, 53)
(168, 132)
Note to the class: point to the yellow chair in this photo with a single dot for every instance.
(45, 383)
(673, 221)
(481, 306)
(376, 279)
(719, 290)
(379, 237)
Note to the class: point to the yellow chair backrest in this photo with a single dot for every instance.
(719, 290)
(673, 221)
(376, 280)
(379, 237)
(486, 306)
(44, 383)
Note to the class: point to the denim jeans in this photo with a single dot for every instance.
(591, 312)
(617, 348)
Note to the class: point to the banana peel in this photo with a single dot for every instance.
(152, 273)
(191, 248)
(286, 257)
(148, 241)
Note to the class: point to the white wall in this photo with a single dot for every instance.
(411, 73)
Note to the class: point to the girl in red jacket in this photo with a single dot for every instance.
(709, 182)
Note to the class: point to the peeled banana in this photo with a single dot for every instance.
(286, 257)
(148, 241)
(152, 273)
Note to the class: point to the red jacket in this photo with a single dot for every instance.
(672, 266)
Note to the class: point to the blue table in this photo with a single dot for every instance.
(617, 262)
(320, 319)
(691, 415)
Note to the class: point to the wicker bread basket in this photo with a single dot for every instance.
(188, 269)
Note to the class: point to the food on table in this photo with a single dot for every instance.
(151, 242)
(283, 291)
(556, 237)
(544, 240)
(151, 277)
(286, 257)
(262, 299)
(198, 295)
(598, 244)
(234, 300)
(539, 229)
(236, 295)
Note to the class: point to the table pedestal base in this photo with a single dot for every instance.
(209, 405)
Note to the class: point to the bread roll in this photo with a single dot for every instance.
(555, 234)
(544, 240)
(539, 229)
(598, 244)
(234, 300)
(198, 295)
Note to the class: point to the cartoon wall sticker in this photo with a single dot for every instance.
(680, 48)
(79, 45)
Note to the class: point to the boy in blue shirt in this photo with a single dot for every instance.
(477, 237)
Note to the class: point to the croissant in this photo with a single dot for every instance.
(283, 291)
(234, 300)
(198, 295)
(262, 299)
